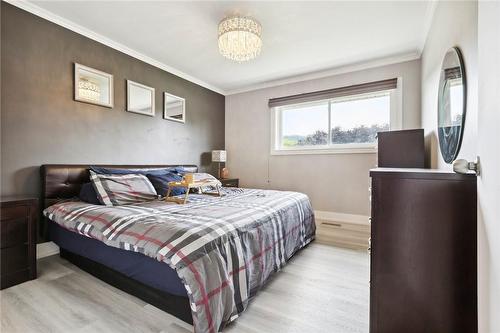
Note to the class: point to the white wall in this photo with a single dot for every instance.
(475, 28)
(454, 24)
(335, 183)
(489, 152)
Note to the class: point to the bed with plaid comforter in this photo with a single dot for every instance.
(223, 248)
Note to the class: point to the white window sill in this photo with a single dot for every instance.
(325, 151)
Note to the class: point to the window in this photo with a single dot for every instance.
(335, 125)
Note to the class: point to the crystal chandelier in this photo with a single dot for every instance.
(240, 38)
(89, 90)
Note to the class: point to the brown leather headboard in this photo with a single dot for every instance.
(64, 181)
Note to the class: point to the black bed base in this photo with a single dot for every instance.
(177, 306)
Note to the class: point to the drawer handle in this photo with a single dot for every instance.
(338, 225)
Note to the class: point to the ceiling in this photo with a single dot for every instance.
(298, 37)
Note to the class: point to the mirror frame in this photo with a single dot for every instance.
(457, 51)
(130, 97)
(165, 95)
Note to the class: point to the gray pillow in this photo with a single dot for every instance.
(116, 190)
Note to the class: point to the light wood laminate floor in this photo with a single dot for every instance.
(322, 289)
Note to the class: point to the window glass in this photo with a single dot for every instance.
(357, 120)
(334, 123)
(305, 125)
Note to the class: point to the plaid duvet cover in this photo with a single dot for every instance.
(223, 248)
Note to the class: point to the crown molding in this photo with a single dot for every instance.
(49, 16)
(330, 72)
(429, 15)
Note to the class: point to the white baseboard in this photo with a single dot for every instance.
(46, 250)
(343, 230)
(341, 217)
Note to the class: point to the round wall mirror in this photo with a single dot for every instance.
(452, 104)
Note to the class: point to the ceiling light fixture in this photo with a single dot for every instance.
(240, 38)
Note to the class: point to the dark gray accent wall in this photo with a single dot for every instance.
(41, 122)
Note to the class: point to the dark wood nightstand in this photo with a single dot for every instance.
(18, 222)
(230, 182)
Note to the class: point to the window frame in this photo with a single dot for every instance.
(396, 120)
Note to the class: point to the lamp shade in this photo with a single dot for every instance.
(218, 156)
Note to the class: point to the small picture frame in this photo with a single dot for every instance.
(140, 98)
(93, 86)
(174, 108)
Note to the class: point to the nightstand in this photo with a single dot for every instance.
(18, 222)
(230, 182)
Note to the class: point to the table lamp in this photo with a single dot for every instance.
(219, 156)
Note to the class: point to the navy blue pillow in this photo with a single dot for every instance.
(154, 171)
(160, 183)
(88, 194)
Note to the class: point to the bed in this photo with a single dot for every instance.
(202, 261)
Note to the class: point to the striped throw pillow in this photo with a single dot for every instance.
(116, 190)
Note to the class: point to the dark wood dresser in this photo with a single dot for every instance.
(423, 274)
(18, 240)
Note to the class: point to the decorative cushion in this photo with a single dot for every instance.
(140, 171)
(88, 194)
(160, 183)
(116, 190)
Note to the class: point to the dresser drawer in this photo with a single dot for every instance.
(14, 258)
(11, 279)
(18, 224)
(13, 212)
(13, 231)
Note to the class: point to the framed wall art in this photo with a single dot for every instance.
(174, 108)
(93, 86)
(140, 98)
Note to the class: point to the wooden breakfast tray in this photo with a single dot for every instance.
(189, 186)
